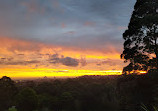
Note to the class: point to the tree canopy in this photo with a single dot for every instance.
(141, 45)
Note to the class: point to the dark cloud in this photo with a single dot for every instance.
(67, 61)
(11, 61)
(55, 58)
(4, 59)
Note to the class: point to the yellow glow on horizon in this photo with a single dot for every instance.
(39, 73)
(20, 58)
(142, 72)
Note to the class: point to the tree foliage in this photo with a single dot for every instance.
(141, 46)
(26, 100)
(86, 93)
(7, 92)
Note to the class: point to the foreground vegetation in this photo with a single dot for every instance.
(87, 93)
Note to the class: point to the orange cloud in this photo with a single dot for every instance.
(36, 55)
(10, 45)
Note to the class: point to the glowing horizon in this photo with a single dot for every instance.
(50, 73)
(18, 58)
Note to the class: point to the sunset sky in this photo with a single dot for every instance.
(62, 37)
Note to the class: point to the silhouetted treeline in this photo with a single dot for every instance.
(86, 93)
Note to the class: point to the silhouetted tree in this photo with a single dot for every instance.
(7, 92)
(66, 100)
(46, 101)
(26, 100)
(141, 45)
